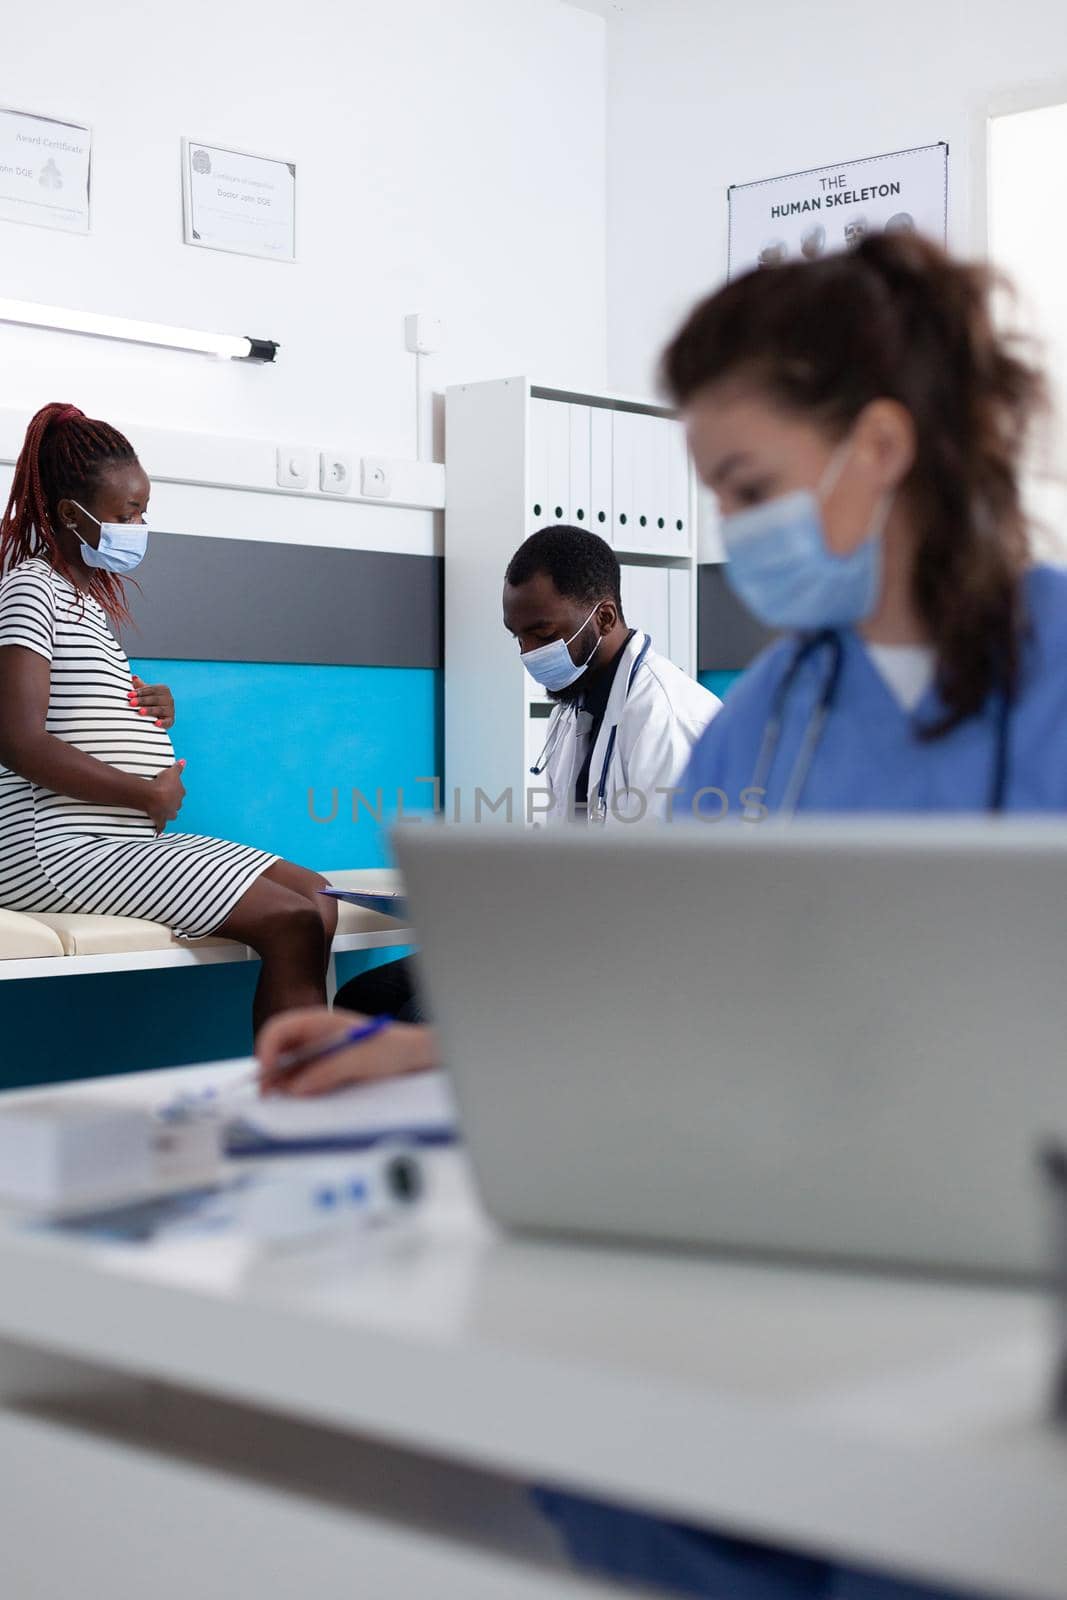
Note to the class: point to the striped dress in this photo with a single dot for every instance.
(59, 854)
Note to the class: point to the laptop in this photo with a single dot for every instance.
(836, 1040)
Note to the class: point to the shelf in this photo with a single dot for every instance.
(678, 558)
(603, 402)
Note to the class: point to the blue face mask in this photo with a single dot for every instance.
(552, 666)
(780, 566)
(122, 544)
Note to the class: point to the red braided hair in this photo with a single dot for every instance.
(64, 455)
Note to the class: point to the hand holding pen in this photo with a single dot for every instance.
(314, 1050)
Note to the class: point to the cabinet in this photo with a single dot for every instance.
(521, 456)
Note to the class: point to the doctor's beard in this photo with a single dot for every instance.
(574, 691)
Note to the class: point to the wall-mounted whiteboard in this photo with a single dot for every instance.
(237, 202)
(804, 215)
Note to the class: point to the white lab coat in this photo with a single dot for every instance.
(658, 713)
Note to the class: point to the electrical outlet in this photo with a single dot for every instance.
(335, 473)
(294, 467)
(375, 478)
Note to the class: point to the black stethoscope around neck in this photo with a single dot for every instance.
(830, 640)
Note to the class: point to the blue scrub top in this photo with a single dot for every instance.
(870, 757)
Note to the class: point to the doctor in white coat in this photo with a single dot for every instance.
(626, 718)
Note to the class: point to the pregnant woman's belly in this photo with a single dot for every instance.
(93, 713)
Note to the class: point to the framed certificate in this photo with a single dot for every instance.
(241, 203)
(45, 171)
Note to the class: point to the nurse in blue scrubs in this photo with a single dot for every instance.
(863, 426)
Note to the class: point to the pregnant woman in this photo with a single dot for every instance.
(88, 776)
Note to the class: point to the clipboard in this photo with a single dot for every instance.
(387, 902)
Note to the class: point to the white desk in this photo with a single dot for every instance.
(278, 1425)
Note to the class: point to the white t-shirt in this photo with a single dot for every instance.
(908, 669)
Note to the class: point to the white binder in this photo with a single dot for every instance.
(643, 437)
(622, 481)
(537, 511)
(663, 444)
(601, 440)
(580, 465)
(559, 461)
(646, 603)
(681, 620)
(678, 517)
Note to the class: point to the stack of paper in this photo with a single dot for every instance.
(418, 1109)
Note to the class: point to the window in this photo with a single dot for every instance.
(1028, 239)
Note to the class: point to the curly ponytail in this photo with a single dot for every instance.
(898, 319)
(64, 456)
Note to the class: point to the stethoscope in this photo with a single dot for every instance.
(831, 641)
(599, 811)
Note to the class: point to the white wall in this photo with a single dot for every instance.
(705, 93)
(450, 159)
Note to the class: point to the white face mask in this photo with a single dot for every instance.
(552, 666)
(122, 544)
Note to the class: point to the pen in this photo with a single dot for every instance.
(293, 1059)
(359, 1034)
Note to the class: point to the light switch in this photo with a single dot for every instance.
(294, 467)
